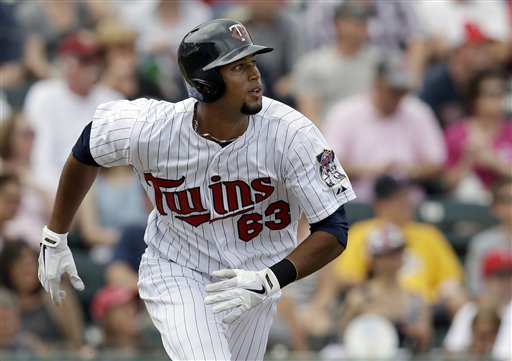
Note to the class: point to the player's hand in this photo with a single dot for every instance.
(55, 258)
(240, 291)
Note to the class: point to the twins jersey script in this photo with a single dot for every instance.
(248, 194)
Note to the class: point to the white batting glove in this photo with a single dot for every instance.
(240, 291)
(55, 258)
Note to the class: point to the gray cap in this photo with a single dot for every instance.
(394, 70)
(354, 9)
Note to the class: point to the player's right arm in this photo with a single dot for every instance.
(103, 142)
(75, 181)
(55, 257)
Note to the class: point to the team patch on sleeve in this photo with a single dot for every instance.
(328, 170)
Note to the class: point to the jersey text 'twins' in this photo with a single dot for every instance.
(229, 198)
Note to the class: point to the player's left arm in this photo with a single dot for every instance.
(317, 179)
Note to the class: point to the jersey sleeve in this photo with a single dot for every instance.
(353, 264)
(111, 131)
(316, 177)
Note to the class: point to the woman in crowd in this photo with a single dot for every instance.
(60, 329)
(10, 194)
(16, 143)
(480, 147)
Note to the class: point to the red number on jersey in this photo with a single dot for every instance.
(250, 225)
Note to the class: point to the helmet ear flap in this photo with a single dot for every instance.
(210, 85)
(204, 87)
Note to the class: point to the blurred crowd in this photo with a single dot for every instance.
(415, 97)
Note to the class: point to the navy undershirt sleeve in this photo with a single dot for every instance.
(336, 224)
(81, 150)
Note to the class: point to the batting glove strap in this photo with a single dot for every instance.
(269, 281)
(54, 240)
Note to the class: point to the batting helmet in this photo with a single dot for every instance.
(208, 46)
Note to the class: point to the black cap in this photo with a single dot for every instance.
(354, 9)
(387, 186)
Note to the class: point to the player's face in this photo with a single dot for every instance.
(243, 85)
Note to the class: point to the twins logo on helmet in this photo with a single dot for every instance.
(238, 32)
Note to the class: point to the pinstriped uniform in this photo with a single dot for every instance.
(215, 208)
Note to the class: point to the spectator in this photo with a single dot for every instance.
(310, 304)
(10, 196)
(46, 24)
(324, 76)
(268, 22)
(121, 71)
(316, 301)
(288, 331)
(467, 334)
(446, 83)
(484, 329)
(160, 33)
(5, 107)
(16, 141)
(116, 310)
(394, 26)
(59, 108)
(377, 118)
(100, 220)
(502, 349)
(430, 268)
(12, 41)
(383, 294)
(397, 27)
(444, 22)
(13, 339)
(480, 147)
(498, 237)
(18, 273)
(123, 268)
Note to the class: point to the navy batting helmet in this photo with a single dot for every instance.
(208, 46)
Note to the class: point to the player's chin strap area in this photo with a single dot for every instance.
(240, 290)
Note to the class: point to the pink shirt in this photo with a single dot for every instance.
(456, 138)
(361, 136)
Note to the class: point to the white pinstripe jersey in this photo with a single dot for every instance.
(231, 207)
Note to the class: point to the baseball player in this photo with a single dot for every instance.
(229, 173)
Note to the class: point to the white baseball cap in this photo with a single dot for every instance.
(385, 239)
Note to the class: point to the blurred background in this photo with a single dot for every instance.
(415, 97)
